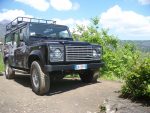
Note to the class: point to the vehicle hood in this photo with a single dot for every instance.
(73, 43)
(63, 42)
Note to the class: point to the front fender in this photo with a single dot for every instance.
(36, 55)
(6, 57)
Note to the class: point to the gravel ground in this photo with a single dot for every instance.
(66, 96)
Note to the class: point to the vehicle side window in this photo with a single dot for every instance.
(16, 39)
(23, 34)
(9, 39)
(9, 44)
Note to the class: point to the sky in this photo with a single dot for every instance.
(126, 19)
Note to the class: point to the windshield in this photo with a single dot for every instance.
(48, 31)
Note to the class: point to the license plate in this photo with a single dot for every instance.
(80, 67)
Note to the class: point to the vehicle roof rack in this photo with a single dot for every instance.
(22, 20)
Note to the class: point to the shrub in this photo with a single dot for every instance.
(137, 82)
(119, 58)
(1, 64)
(123, 61)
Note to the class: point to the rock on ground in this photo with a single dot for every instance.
(119, 105)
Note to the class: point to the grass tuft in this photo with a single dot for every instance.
(1, 63)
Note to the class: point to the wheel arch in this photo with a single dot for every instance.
(5, 58)
(35, 56)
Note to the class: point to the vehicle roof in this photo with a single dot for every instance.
(22, 21)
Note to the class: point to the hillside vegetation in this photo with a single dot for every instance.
(1, 63)
(2, 32)
(142, 45)
(123, 61)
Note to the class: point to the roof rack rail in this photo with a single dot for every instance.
(22, 20)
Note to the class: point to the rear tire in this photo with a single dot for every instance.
(89, 76)
(9, 72)
(40, 81)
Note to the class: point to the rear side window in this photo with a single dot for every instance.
(8, 39)
(23, 34)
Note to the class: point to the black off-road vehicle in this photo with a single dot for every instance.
(47, 52)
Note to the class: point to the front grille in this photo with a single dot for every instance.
(79, 53)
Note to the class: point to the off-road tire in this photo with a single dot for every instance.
(89, 76)
(9, 72)
(42, 79)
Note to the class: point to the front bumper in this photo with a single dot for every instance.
(71, 67)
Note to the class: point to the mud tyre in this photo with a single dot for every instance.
(39, 80)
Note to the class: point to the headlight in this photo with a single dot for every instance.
(56, 53)
(97, 53)
(94, 53)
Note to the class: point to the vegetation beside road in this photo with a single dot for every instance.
(137, 82)
(123, 61)
(1, 63)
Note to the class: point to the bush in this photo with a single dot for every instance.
(119, 58)
(137, 82)
(1, 64)
(123, 61)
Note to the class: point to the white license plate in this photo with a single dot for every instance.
(80, 67)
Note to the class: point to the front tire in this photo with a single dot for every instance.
(9, 72)
(89, 76)
(40, 81)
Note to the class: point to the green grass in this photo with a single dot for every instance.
(102, 77)
(1, 63)
(110, 77)
(72, 76)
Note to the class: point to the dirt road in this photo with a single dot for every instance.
(66, 96)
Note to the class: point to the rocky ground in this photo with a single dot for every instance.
(121, 105)
(66, 96)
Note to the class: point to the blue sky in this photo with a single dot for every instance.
(127, 19)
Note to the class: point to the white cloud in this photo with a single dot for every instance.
(75, 6)
(12, 14)
(127, 24)
(41, 5)
(72, 22)
(64, 5)
(144, 2)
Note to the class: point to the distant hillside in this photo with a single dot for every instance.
(3, 28)
(2, 31)
(143, 45)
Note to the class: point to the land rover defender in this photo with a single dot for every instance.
(47, 52)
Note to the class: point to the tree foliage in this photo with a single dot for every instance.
(137, 82)
(119, 58)
(122, 60)
(1, 63)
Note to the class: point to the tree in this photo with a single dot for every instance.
(119, 58)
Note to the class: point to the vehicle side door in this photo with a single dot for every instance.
(8, 49)
(21, 48)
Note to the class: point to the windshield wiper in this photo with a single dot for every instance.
(65, 38)
(41, 35)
